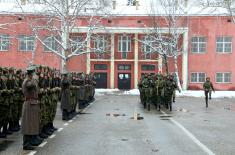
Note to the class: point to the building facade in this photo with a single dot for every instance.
(207, 42)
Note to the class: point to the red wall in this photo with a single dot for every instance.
(212, 62)
(209, 62)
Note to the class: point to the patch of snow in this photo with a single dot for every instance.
(216, 94)
(192, 93)
(105, 90)
(101, 92)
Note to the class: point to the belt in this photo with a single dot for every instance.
(28, 99)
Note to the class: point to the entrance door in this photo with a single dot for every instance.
(124, 81)
(101, 80)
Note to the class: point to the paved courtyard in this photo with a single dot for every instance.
(107, 127)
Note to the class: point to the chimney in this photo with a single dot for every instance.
(114, 5)
(137, 5)
(23, 2)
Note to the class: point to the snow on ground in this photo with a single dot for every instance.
(100, 92)
(188, 93)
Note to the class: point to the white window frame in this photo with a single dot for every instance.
(51, 42)
(147, 41)
(124, 39)
(223, 75)
(223, 44)
(26, 39)
(100, 43)
(4, 38)
(197, 77)
(78, 39)
(198, 43)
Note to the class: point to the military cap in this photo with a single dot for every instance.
(64, 73)
(30, 69)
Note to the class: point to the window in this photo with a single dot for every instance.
(130, 2)
(100, 45)
(223, 77)
(100, 67)
(124, 67)
(4, 42)
(26, 43)
(77, 43)
(198, 77)
(148, 67)
(50, 44)
(198, 45)
(124, 45)
(224, 44)
(146, 47)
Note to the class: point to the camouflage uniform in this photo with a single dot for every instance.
(207, 86)
(169, 88)
(3, 102)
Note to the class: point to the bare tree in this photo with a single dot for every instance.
(221, 6)
(167, 14)
(57, 19)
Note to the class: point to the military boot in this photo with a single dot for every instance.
(26, 143)
(43, 135)
(2, 134)
(13, 127)
(52, 126)
(6, 131)
(35, 141)
(17, 126)
(47, 131)
(49, 128)
(206, 103)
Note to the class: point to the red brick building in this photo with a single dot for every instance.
(207, 41)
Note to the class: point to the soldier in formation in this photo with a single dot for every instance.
(157, 90)
(11, 98)
(42, 91)
(77, 90)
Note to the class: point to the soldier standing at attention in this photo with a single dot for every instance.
(30, 112)
(65, 98)
(207, 86)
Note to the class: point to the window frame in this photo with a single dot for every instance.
(101, 68)
(101, 39)
(52, 41)
(223, 75)
(26, 42)
(77, 39)
(223, 44)
(147, 55)
(121, 41)
(124, 66)
(145, 65)
(6, 38)
(198, 43)
(197, 81)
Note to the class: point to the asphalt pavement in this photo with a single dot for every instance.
(108, 127)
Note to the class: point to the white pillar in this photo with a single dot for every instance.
(112, 62)
(136, 62)
(88, 56)
(185, 61)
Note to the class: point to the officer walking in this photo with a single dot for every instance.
(208, 86)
